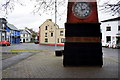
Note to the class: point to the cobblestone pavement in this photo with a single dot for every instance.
(6, 56)
(46, 65)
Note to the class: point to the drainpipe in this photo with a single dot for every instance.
(11, 37)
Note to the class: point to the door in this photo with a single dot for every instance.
(23, 40)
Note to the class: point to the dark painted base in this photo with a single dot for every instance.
(83, 53)
(77, 54)
(82, 30)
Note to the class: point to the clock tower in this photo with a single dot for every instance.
(83, 36)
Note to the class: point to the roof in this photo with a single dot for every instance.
(11, 26)
(3, 20)
(113, 19)
(29, 30)
(23, 31)
(50, 20)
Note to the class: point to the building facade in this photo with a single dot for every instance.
(110, 32)
(9, 32)
(3, 26)
(25, 36)
(13, 34)
(51, 34)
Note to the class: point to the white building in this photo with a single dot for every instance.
(25, 36)
(110, 32)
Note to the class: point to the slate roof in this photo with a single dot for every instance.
(113, 19)
(3, 20)
(11, 26)
(23, 31)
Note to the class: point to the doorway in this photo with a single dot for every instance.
(23, 40)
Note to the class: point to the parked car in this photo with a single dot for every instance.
(118, 45)
(5, 43)
(36, 42)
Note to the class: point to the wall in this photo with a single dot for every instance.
(8, 34)
(46, 34)
(112, 33)
(60, 36)
(26, 38)
(2, 31)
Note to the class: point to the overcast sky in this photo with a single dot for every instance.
(22, 16)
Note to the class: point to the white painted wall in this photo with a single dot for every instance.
(27, 37)
(112, 33)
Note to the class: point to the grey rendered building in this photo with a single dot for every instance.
(2, 29)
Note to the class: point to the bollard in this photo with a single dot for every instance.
(58, 52)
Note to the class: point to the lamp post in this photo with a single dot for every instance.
(55, 22)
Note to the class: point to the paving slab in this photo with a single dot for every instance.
(46, 65)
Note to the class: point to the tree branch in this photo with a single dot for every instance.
(8, 5)
(111, 8)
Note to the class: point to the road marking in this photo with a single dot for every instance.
(28, 50)
(10, 53)
(112, 59)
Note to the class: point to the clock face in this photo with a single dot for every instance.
(81, 9)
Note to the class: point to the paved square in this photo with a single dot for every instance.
(46, 65)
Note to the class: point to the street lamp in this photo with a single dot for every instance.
(55, 22)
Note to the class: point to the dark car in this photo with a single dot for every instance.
(36, 42)
(118, 45)
(5, 43)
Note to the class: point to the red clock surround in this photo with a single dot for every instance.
(93, 17)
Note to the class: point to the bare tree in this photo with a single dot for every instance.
(49, 7)
(112, 8)
(40, 6)
(8, 5)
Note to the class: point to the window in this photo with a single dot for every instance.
(51, 34)
(118, 28)
(46, 40)
(62, 40)
(23, 35)
(26, 39)
(108, 28)
(46, 27)
(58, 40)
(3, 37)
(27, 35)
(45, 34)
(61, 33)
(108, 38)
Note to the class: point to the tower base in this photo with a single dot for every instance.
(83, 45)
